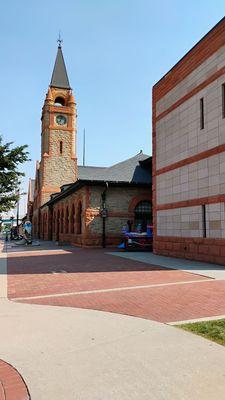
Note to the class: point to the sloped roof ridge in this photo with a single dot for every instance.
(90, 166)
(138, 155)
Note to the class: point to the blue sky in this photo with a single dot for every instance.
(115, 50)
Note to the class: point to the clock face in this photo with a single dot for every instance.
(61, 120)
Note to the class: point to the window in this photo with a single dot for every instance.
(204, 220)
(79, 219)
(62, 221)
(57, 225)
(54, 222)
(202, 122)
(60, 147)
(143, 215)
(223, 100)
(67, 221)
(43, 224)
(59, 101)
(72, 219)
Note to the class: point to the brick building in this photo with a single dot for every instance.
(86, 206)
(189, 153)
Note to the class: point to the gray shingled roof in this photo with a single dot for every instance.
(126, 171)
(134, 171)
(59, 75)
(92, 173)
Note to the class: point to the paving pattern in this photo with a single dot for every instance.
(12, 385)
(40, 273)
(163, 304)
(93, 279)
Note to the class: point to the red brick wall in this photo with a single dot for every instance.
(123, 200)
(200, 249)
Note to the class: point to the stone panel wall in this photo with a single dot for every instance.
(193, 181)
(215, 220)
(184, 222)
(179, 135)
(188, 161)
(195, 78)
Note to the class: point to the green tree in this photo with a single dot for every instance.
(10, 176)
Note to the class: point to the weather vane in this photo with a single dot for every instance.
(60, 39)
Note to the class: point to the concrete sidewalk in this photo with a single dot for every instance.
(65, 353)
(214, 271)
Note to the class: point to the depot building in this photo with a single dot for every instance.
(82, 205)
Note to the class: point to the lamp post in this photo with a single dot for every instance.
(12, 219)
(104, 215)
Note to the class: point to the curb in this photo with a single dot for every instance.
(192, 321)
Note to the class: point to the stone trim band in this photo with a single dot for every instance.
(194, 91)
(189, 160)
(191, 203)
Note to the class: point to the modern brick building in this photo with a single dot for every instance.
(189, 153)
(86, 206)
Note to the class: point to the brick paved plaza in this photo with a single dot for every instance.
(134, 355)
(93, 279)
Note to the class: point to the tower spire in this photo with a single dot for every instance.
(59, 75)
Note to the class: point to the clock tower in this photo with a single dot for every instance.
(58, 164)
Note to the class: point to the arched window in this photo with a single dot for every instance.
(72, 219)
(62, 221)
(43, 224)
(67, 220)
(59, 101)
(54, 222)
(79, 219)
(57, 225)
(143, 215)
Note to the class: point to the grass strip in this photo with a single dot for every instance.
(213, 330)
